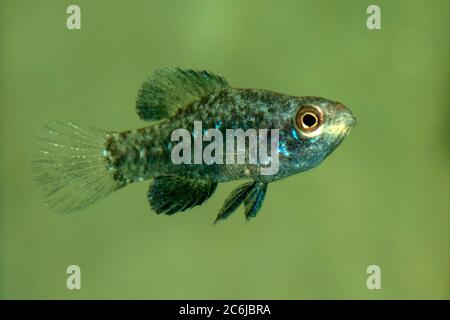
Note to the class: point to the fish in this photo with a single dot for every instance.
(77, 165)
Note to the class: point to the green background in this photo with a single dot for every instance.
(382, 198)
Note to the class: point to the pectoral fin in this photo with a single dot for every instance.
(251, 194)
(171, 194)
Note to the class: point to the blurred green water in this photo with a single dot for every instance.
(382, 198)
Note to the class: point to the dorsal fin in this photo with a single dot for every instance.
(168, 89)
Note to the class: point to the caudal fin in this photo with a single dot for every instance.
(70, 165)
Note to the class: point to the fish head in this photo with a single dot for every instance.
(318, 125)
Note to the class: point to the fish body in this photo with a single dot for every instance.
(308, 130)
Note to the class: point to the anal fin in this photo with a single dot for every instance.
(171, 194)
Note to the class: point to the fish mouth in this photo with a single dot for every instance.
(351, 120)
(350, 123)
(346, 118)
(346, 115)
(346, 122)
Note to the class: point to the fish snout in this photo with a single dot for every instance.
(345, 114)
(340, 107)
(350, 119)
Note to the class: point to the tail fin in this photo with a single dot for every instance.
(70, 165)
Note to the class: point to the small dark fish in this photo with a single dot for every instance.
(78, 165)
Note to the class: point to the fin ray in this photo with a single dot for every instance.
(168, 194)
(234, 200)
(168, 89)
(251, 194)
(69, 166)
(254, 200)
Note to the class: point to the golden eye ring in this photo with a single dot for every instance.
(308, 120)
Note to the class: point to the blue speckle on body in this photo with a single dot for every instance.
(283, 149)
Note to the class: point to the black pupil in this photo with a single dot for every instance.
(309, 120)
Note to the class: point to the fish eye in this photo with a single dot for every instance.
(309, 119)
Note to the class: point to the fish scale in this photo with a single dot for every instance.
(175, 98)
